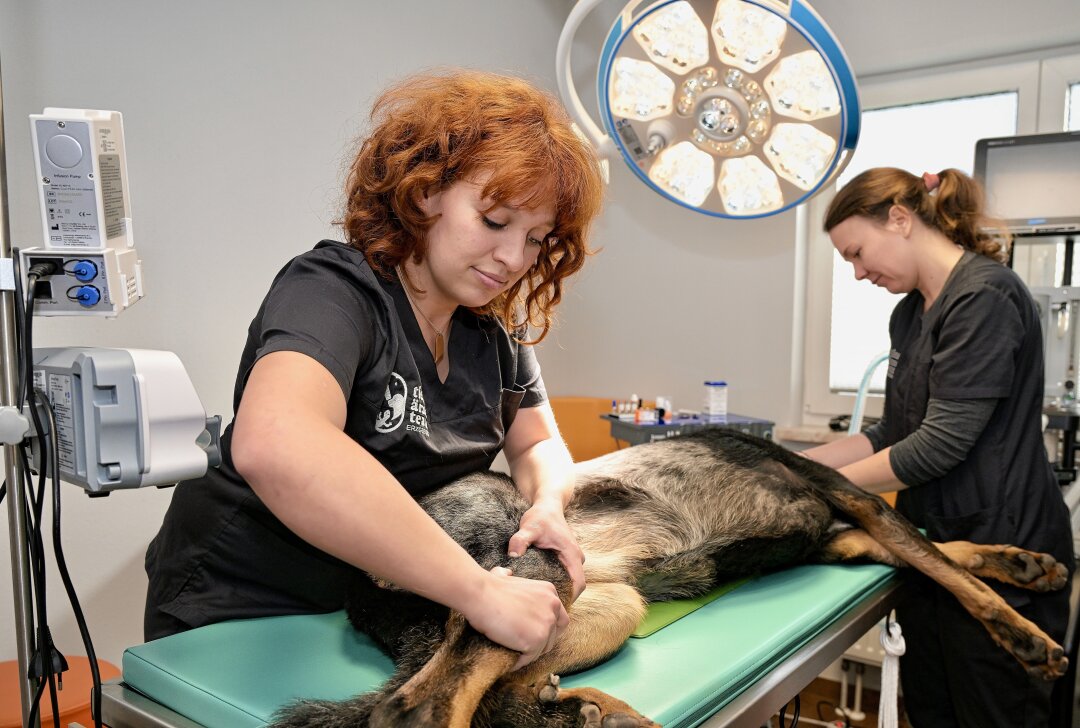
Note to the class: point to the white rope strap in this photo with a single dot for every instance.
(893, 643)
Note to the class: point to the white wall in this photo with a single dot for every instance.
(239, 116)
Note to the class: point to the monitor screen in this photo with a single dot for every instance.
(1032, 182)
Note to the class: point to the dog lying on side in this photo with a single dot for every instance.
(666, 520)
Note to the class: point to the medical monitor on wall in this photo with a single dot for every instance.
(1032, 182)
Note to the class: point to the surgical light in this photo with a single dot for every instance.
(733, 108)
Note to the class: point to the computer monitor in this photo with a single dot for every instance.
(1032, 182)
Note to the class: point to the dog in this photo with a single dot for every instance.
(665, 520)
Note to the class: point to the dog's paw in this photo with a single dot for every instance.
(1041, 657)
(548, 691)
(1052, 663)
(1028, 569)
(595, 709)
(590, 716)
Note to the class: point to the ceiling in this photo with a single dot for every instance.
(881, 36)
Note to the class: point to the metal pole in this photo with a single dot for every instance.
(20, 561)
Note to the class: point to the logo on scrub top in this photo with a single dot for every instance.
(393, 412)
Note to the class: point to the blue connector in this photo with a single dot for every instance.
(87, 296)
(84, 270)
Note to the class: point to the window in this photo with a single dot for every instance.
(923, 123)
(1059, 94)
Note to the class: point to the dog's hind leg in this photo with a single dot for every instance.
(1020, 637)
(857, 545)
(1008, 564)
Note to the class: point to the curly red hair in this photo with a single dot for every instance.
(433, 130)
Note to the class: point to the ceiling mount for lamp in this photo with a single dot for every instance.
(733, 108)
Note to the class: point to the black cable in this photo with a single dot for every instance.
(47, 662)
(821, 703)
(32, 719)
(794, 714)
(61, 562)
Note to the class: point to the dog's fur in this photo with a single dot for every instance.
(660, 521)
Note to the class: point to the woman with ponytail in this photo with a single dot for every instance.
(961, 436)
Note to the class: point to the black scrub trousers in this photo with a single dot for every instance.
(980, 339)
(220, 553)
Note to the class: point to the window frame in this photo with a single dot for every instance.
(1057, 75)
(820, 402)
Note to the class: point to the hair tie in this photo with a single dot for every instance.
(931, 181)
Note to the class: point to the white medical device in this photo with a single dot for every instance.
(85, 214)
(103, 419)
(125, 418)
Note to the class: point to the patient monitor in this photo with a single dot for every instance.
(1032, 181)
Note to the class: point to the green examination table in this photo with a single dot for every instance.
(732, 662)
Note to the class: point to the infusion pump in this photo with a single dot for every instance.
(85, 215)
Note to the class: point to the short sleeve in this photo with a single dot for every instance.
(528, 377)
(980, 335)
(317, 307)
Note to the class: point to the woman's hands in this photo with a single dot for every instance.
(542, 470)
(524, 615)
(544, 526)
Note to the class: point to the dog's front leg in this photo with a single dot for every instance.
(448, 688)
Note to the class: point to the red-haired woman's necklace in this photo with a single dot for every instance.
(440, 340)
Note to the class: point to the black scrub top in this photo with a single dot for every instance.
(980, 339)
(220, 553)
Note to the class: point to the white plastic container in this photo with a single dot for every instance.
(716, 395)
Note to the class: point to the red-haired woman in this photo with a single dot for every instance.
(382, 368)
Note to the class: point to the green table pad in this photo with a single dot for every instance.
(236, 674)
(661, 614)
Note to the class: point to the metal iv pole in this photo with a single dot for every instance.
(20, 562)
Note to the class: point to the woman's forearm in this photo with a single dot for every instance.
(289, 446)
(874, 474)
(842, 452)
